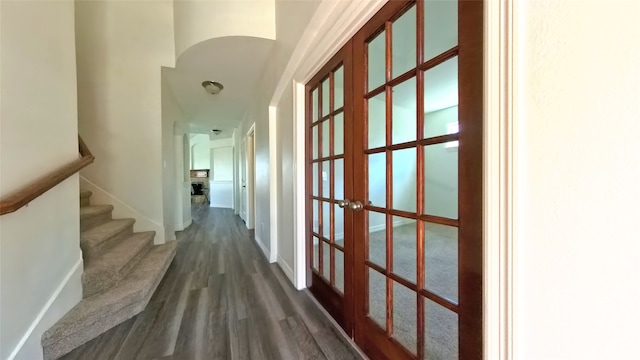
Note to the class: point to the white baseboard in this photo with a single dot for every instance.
(66, 296)
(286, 268)
(263, 248)
(187, 224)
(123, 210)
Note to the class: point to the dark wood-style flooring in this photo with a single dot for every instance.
(221, 299)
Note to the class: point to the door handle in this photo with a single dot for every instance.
(343, 203)
(356, 205)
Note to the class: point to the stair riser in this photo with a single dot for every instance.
(89, 222)
(67, 344)
(97, 283)
(85, 200)
(76, 334)
(95, 251)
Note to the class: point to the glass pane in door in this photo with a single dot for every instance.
(377, 298)
(403, 42)
(441, 260)
(405, 316)
(440, 27)
(405, 247)
(404, 112)
(376, 61)
(440, 332)
(441, 99)
(404, 179)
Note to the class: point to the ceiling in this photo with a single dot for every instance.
(235, 61)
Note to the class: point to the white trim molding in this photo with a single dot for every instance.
(299, 178)
(123, 210)
(263, 247)
(286, 269)
(500, 182)
(64, 297)
(274, 194)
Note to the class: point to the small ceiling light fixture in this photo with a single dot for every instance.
(212, 87)
(216, 131)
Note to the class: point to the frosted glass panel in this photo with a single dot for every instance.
(440, 27)
(441, 181)
(376, 120)
(403, 34)
(404, 179)
(376, 61)
(404, 112)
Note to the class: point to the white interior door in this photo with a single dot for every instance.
(243, 181)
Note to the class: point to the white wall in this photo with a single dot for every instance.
(183, 182)
(221, 180)
(121, 47)
(171, 114)
(197, 21)
(578, 254)
(222, 173)
(292, 17)
(200, 152)
(38, 122)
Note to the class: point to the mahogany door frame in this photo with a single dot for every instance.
(500, 166)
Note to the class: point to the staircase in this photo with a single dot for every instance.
(121, 271)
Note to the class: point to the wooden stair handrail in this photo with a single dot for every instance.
(31, 191)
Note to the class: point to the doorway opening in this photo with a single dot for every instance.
(247, 158)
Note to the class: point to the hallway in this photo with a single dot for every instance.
(220, 299)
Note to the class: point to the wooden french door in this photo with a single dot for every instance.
(405, 235)
(329, 108)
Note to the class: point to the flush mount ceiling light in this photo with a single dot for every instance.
(216, 131)
(212, 87)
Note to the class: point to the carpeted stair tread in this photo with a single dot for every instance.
(94, 210)
(96, 235)
(85, 197)
(109, 268)
(99, 313)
